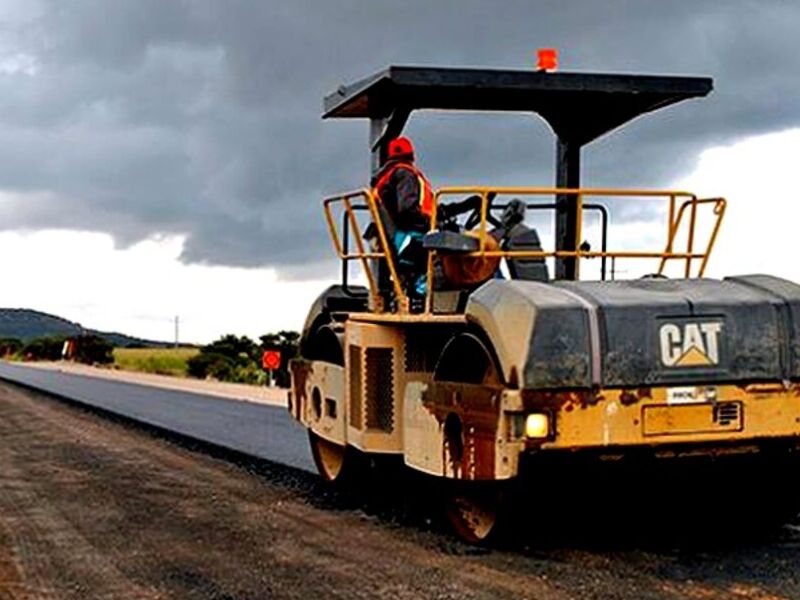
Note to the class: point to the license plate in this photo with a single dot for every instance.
(691, 395)
(682, 419)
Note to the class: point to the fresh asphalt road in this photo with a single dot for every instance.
(255, 429)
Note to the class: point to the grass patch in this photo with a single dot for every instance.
(162, 361)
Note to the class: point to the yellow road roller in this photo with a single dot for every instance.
(505, 361)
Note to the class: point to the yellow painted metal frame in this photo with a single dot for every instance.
(689, 204)
(383, 254)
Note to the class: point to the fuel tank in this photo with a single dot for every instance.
(568, 335)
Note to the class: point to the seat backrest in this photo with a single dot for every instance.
(521, 238)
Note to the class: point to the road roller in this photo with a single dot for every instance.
(552, 335)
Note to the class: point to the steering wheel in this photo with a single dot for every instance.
(474, 217)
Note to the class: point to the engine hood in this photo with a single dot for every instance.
(643, 332)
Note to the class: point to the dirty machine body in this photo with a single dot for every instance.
(484, 382)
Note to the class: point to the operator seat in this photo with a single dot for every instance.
(521, 237)
(515, 235)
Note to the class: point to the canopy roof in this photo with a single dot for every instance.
(578, 106)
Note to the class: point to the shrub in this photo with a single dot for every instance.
(92, 349)
(210, 364)
(45, 348)
(10, 346)
(238, 359)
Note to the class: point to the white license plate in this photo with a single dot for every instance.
(691, 395)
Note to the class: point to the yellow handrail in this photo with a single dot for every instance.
(580, 193)
(361, 254)
(688, 203)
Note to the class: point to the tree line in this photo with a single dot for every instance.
(88, 349)
(230, 358)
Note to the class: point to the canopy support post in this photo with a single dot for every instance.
(568, 175)
(383, 129)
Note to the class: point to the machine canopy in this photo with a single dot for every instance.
(578, 106)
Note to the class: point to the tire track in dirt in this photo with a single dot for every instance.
(99, 510)
(94, 509)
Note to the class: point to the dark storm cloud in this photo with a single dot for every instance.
(202, 117)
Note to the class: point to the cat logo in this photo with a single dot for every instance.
(690, 344)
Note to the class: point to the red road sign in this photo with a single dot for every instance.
(271, 360)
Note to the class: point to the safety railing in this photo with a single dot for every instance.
(681, 206)
(689, 202)
(383, 252)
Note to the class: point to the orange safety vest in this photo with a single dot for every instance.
(425, 188)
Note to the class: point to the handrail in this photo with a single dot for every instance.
(680, 203)
(690, 200)
(720, 204)
(383, 252)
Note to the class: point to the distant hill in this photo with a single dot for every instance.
(26, 324)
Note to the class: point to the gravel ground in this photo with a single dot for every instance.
(94, 508)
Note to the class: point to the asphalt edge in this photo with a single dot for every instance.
(248, 462)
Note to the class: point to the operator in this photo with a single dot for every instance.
(407, 197)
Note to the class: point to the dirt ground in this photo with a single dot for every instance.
(94, 508)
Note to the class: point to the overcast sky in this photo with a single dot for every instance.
(192, 129)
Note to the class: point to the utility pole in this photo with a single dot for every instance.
(177, 323)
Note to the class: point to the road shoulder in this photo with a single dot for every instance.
(231, 391)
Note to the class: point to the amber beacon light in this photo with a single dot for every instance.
(546, 59)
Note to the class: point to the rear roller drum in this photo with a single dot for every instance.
(474, 511)
(473, 508)
(335, 463)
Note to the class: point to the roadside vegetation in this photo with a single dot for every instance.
(161, 361)
(88, 349)
(238, 359)
(231, 358)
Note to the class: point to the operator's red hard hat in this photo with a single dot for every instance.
(401, 147)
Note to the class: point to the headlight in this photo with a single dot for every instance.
(537, 426)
